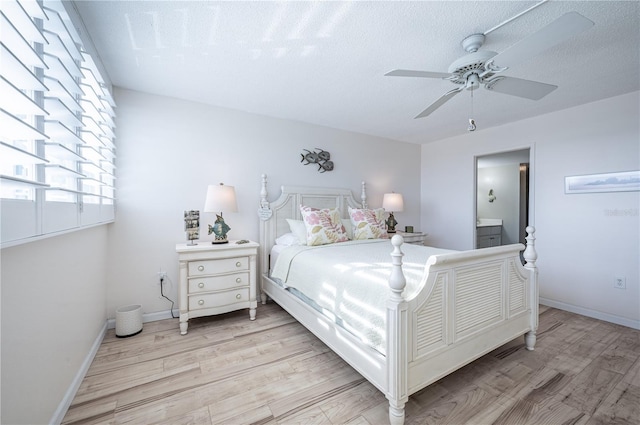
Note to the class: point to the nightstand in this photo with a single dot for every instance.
(416, 238)
(215, 279)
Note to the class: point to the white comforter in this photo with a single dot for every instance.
(349, 281)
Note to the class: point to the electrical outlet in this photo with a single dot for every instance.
(620, 282)
(162, 275)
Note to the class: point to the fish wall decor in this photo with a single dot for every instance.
(318, 157)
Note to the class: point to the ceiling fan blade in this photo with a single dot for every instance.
(438, 103)
(528, 89)
(420, 74)
(556, 32)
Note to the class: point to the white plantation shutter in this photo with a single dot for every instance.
(57, 152)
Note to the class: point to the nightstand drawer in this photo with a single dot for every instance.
(218, 283)
(223, 265)
(218, 299)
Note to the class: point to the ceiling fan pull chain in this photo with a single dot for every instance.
(472, 122)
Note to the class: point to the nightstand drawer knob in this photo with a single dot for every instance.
(201, 302)
(200, 268)
(238, 296)
(238, 280)
(200, 285)
(238, 264)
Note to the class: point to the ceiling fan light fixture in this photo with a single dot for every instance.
(473, 82)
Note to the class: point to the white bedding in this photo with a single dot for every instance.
(275, 253)
(349, 280)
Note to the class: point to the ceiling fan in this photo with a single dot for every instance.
(484, 67)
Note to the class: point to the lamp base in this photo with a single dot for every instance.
(219, 229)
(391, 223)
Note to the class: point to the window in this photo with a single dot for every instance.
(57, 155)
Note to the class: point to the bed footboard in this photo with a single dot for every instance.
(470, 303)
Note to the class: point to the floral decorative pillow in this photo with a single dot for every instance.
(368, 224)
(323, 226)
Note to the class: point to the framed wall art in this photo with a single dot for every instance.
(623, 181)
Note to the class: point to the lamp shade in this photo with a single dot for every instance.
(220, 198)
(393, 202)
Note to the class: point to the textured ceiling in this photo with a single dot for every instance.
(324, 62)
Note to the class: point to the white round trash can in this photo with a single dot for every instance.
(128, 321)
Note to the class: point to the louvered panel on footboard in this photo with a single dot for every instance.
(430, 320)
(479, 297)
(468, 297)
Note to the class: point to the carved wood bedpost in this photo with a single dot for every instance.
(264, 204)
(397, 323)
(264, 212)
(363, 195)
(530, 257)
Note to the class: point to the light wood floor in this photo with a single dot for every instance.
(229, 370)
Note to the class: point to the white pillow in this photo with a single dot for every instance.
(299, 229)
(288, 239)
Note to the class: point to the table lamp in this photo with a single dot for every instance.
(392, 202)
(220, 198)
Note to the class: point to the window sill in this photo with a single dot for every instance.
(23, 241)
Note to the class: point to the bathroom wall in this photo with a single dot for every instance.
(504, 180)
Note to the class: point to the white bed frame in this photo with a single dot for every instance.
(471, 303)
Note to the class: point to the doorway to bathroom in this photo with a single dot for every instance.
(502, 198)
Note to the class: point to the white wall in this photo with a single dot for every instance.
(169, 150)
(581, 241)
(53, 309)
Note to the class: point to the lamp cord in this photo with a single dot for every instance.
(164, 296)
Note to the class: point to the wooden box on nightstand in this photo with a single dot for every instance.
(215, 279)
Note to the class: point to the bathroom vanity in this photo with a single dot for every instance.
(488, 232)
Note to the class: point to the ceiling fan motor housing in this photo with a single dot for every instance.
(473, 64)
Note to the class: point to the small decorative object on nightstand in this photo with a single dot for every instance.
(220, 198)
(216, 279)
(392, 202)
(415, 238)
(192, 225)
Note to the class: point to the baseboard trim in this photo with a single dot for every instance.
(630, 323)
(58, 415)
(149, 317)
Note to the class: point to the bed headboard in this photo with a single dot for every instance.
(274, 215)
